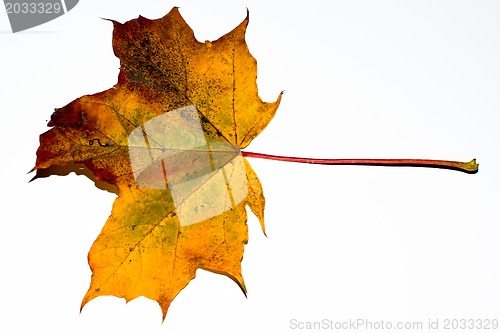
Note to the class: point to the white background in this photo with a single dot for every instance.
(371, 79)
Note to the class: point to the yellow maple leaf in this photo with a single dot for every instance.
(168, 136)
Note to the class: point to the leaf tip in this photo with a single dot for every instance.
(111, 20)
(82, 305)
(262, 225)
(164, 305)
(243, 289)
(280, 96)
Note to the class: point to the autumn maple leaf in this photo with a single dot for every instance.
(168, 138)
(168, 135)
